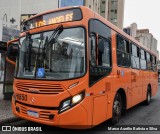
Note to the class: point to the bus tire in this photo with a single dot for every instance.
(148, 96)
(117, 109)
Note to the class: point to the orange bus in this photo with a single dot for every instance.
(74, 69)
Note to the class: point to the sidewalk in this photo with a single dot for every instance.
(6, 115)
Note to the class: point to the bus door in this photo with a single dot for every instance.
(97, 72)
(136, 76)
(8, 70)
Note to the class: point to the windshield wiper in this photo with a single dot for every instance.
(49, 42)
(54, 36)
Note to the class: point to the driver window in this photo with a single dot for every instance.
(100, 58)
(103, 52)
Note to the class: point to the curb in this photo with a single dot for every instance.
(9, 120)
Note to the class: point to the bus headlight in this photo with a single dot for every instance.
(70, 102)
(77, 98)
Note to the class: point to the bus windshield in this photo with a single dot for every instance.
(63, 58)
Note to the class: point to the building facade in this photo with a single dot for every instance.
(12, 12)
(94, 5)
(143, 36)
(116, 12)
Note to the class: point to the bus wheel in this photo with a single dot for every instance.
(148, 96)
(117, 109)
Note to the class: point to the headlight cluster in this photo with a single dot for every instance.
(70, 102)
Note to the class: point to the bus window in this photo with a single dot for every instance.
(154, 63)
(63, 59)
(100, 50)
(100, 58)
(143, 62)
(135, 57)
(148, 62)
(104, 52)
(123, 58)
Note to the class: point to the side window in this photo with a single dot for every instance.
(100, 58)
(104, 53)
(135, 57)
(100, 51)
(154, 68)
(123, 57)
(143, 61)
(149, 65)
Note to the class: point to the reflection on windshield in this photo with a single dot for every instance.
(62, 59)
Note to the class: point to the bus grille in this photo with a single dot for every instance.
(42, 114)
(37, 88)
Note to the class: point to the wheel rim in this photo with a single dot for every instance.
(117, 108)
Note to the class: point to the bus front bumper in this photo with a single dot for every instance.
(72, 118)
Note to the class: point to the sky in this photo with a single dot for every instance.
(146, 13)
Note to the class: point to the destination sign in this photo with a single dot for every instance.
(53, 18)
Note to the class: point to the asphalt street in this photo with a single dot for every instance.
(138, 115)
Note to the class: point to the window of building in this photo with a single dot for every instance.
(114, 3)
(123, 57)
(103, 2)
(114, 20)
(114, 11)
(135, 57)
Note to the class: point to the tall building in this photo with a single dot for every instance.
(93, 4)
(104, 4)
(143, 36)
(112, 10)
(116, 12)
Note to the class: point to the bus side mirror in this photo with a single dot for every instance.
(12, 53)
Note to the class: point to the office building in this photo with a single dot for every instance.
(116, 12)
(143, 36)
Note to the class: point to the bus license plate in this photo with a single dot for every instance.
(32, 113)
